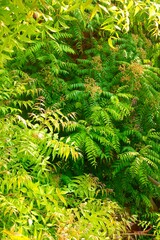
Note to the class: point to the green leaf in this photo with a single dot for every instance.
(51, 29)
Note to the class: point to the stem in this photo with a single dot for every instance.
(152, 180)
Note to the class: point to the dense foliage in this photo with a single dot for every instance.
(79, 119)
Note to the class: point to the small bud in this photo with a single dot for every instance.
(35, 15)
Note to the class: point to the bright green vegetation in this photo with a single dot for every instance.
(79, 119)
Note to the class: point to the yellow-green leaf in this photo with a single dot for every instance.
(110, 42)
(51, 29)
(95, 10)
(59, 194)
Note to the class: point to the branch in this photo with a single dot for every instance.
(152, 180)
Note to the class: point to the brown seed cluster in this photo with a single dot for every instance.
(46, 72)
(148, 43)
(142, 53)
(97, 62)
(122, 68)
(91, 86)
(137, 85)
(125, 78)
(132, 73)
(115, 49)
(136, 69)
(135, 38)
(99, 47)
